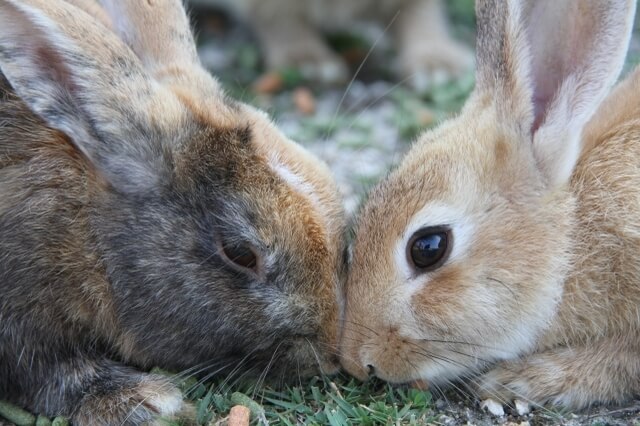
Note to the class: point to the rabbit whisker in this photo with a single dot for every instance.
(265, 372)
(355, 75)
(495, 280)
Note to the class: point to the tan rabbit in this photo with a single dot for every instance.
(505, 249)
(148, 220)
(290, 34)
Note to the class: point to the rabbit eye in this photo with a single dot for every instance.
(241, 255)
(429, 248)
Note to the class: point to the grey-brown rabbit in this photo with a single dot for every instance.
(146, 219)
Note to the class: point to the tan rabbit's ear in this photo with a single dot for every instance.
(80, 79)
(549, 64)
(159, 33)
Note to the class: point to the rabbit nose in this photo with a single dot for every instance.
(371, 371)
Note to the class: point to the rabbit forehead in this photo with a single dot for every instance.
(276, 205)
(443, 170)
(463, 164)
(301, 173)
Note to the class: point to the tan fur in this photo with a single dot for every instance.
(93, 9)
(541, 300)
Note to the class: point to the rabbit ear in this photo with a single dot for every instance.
(93, 9)
(549, 64)
(159, 33)
(80, 79)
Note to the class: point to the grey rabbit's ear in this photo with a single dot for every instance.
(549, 64)
(82, 80)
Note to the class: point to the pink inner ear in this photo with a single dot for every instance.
(559, 48)
(544, 73)
(546, 65)
(539, 108)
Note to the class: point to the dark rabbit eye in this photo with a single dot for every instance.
(241, 255)
(429, 248)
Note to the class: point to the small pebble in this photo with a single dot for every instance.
(269, 83)
(522, 407)
(239, 416)
(446, 420)
(238, 398)
(492, 407)
(304, 101)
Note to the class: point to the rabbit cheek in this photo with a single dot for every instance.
(328, 338)
(321, 346)
(412, 345)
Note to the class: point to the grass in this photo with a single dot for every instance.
(335, 401)
(320, 401)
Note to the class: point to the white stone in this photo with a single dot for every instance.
(492, 406)
(522, 407)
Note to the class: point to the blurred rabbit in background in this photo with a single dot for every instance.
(289, 32)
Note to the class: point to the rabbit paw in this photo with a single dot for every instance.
(434, 63)
(141, 401)
(572, 378)
(534, 381)
(522, 384)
